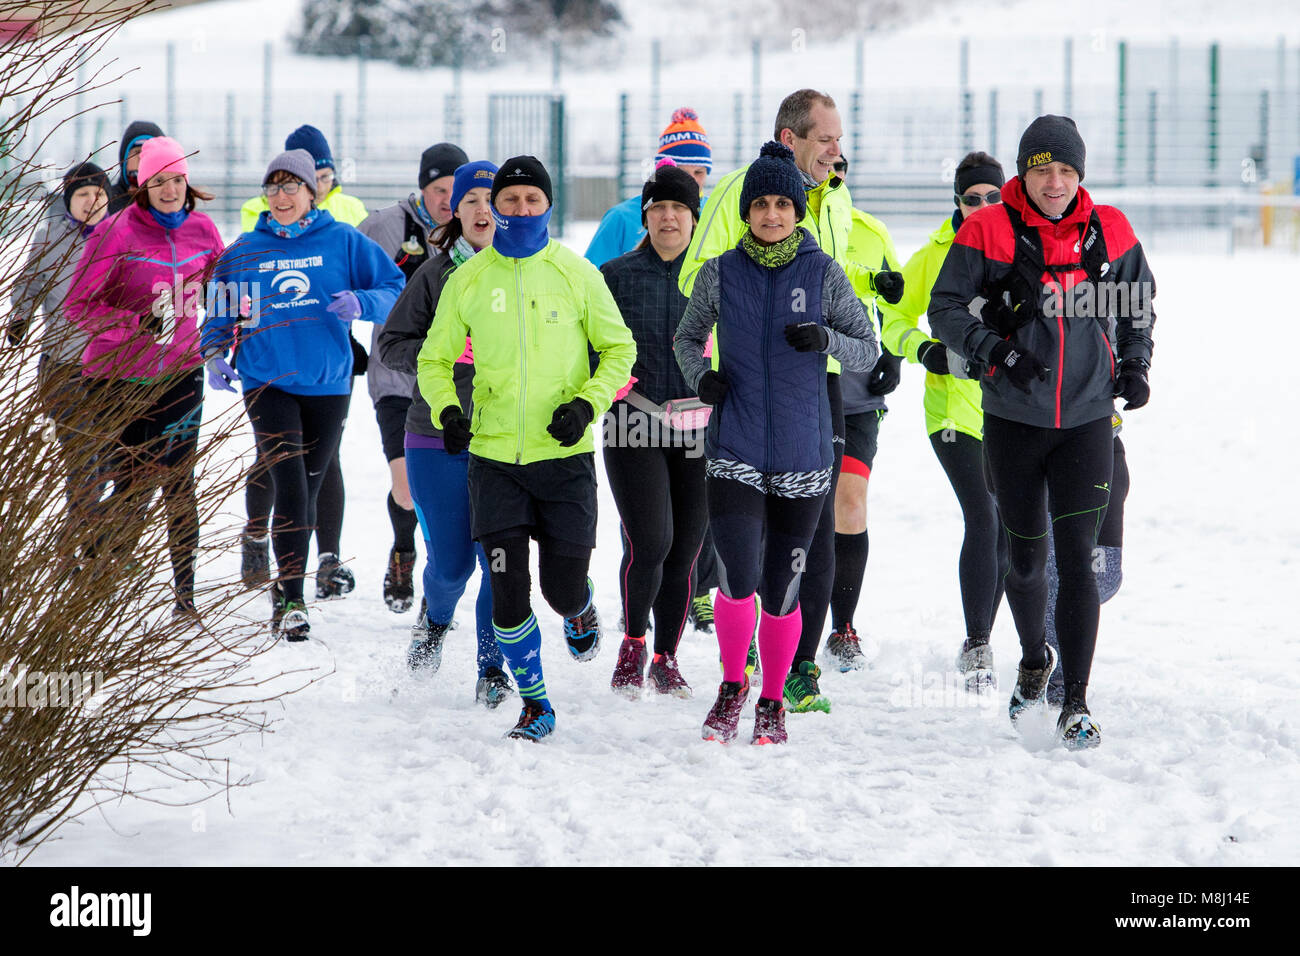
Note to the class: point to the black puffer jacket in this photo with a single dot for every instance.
(645, 288)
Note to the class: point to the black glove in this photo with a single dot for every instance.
(1000, 317)
(807, 337)
(934, 356)
(712, 387)
(886, 374)
(569, 422)
(888, 285)
(455, 430)
(1131, 383)
(1020, 365)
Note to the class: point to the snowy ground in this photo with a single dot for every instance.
(1196, 682)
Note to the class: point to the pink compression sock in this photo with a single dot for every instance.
(778, 639)
(733, 618)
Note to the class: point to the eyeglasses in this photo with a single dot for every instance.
(289, 189)
(974, 199)
(841, 166)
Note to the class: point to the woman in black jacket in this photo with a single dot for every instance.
(654, 442)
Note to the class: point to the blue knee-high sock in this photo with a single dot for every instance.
(522, 648)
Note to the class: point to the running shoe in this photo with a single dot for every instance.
(399, 581)
(769, 722)
(1031, 687)
(701, 614)
(630, 670)
(535, 722)
(333, 579)
(667, 679)
(723, 722)
(802, 693)
(843, 648)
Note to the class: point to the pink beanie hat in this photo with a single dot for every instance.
(158, 154)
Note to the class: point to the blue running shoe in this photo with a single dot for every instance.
(582, 633)
(535, 722)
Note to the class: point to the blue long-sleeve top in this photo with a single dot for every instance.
(289, 340)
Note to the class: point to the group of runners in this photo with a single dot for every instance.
(732, 355)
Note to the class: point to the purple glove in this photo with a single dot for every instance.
(345, 306)
(220, 374)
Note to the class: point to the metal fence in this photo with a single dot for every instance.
(1225, 120)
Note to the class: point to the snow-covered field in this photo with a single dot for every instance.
(1196, 681)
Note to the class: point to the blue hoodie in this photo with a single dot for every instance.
(290, 340)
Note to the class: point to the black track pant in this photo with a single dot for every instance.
(982, 565)
(562, 568)
(1068, 470)
(154, 451)
(819, 576)
(762, 542)
(662, 510)
(298, 435)
(259, 499)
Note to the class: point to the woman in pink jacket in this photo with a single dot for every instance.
(136, 294)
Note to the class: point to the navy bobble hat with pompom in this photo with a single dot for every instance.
(774, 174)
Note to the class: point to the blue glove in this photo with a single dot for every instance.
(345, 306)
(220, 374)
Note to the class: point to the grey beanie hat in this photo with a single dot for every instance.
(1050, 139)
(296, 162)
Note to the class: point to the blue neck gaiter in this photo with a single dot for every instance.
(518, 237)
(169, 220)
(294, 229)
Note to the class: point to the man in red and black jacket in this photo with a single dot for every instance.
(1065, 329)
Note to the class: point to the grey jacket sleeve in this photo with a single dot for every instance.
(384, 226)
(35, 277)
(852, 335)
(697, 322)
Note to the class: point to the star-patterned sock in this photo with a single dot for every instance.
(522, 648)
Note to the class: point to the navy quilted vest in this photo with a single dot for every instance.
(776, 415)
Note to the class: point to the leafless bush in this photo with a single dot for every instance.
(102, 685)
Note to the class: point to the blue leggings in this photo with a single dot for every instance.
(440, 490)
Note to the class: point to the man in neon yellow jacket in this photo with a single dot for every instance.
(871, 252)
(341, 206)
(808, 122)
(954, 419)
(529, 308)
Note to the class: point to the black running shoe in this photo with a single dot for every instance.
(333, 580)
(399, 584)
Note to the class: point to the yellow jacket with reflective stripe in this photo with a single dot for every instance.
(950, 402)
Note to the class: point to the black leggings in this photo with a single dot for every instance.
(155, 450)
(982, 565)
(298, 435)
(819, 576)
(762, 542)
(563, 574)
(660, 497)
(1068, 470)
(259, 498)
